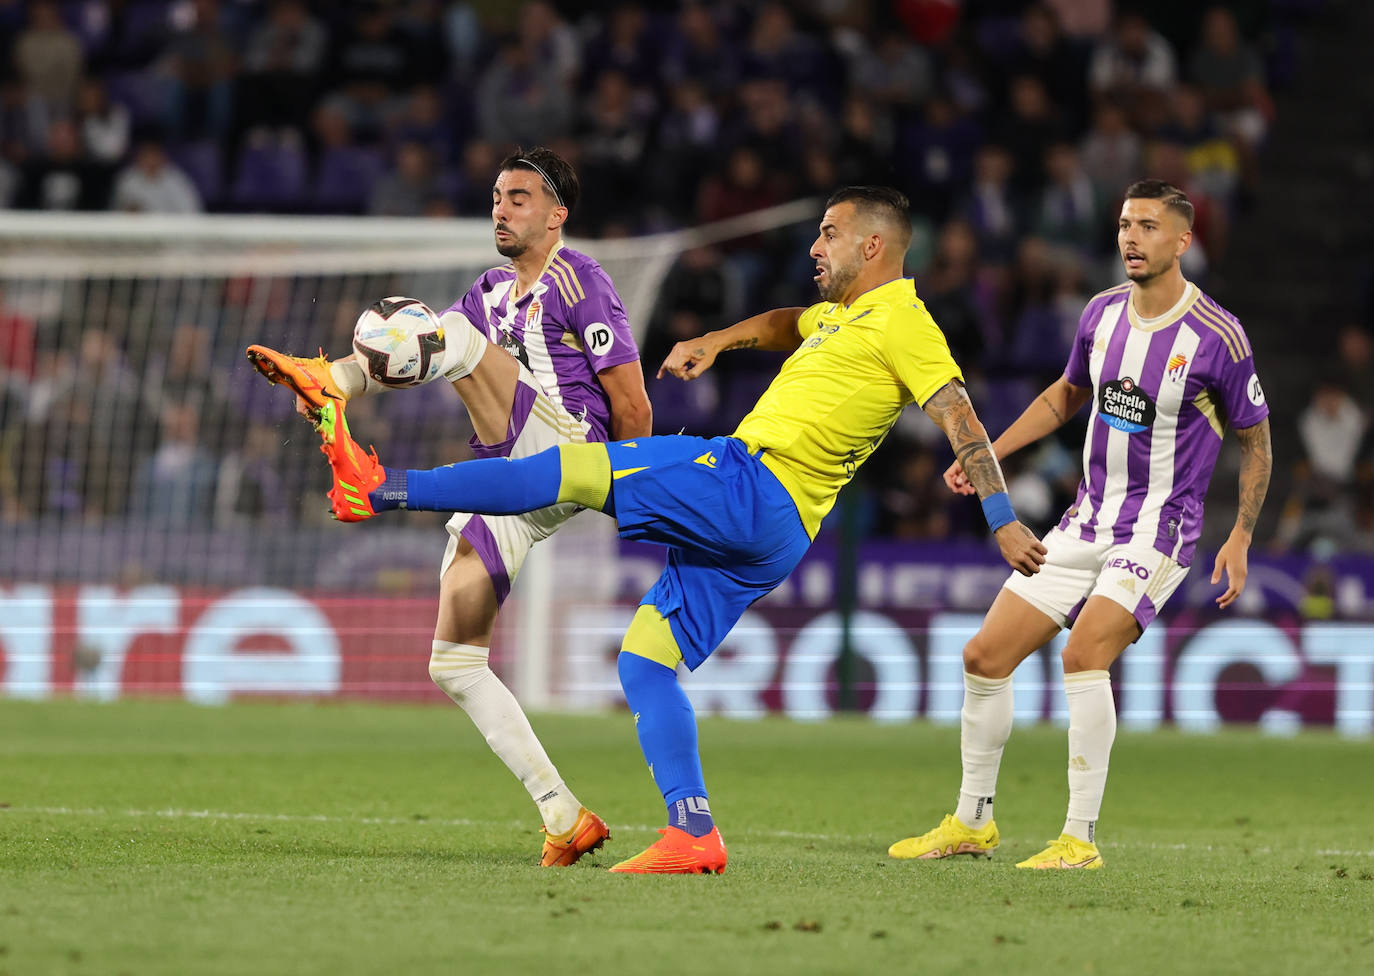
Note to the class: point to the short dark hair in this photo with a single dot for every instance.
(558, 174)
(1174, 198)
(883, 202)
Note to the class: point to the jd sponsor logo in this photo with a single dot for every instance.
(1124, 406)
(600, 338)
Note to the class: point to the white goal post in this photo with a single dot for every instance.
(122, 294)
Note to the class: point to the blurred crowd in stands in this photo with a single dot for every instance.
(1013, 127)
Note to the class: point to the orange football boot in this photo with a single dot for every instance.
(356, 472)
(308, 377)
(678, 852)
(583, 837)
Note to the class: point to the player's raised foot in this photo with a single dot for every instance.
(308, 377)
(1066, 852)
(947, 840)
(678, 852)
(583, 837)
(356, 472)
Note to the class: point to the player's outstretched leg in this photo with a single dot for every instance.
(667, 730)
(577, 473)
(310, 378)
(357, 473)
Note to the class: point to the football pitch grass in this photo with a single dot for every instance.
(161, 837)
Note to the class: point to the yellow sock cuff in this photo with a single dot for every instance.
(649, 636)
(586, 474)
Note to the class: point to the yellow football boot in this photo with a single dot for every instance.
(947, 840)
(1066, 852)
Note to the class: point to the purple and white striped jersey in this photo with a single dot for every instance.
(566, 329)
(1164, 392)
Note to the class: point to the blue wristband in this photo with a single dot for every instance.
(997, 510)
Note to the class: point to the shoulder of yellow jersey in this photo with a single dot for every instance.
(894, 300)
(806, 322)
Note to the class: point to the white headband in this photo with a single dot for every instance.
(535, 166)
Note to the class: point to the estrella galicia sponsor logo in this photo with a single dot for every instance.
(1124, 405)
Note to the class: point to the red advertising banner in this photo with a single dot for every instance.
(1192, 669)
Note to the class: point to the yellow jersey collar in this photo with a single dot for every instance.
(885, 292)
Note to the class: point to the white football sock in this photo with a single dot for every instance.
(464, 346)
(464, 674)
(984, 727)
(1092, 729)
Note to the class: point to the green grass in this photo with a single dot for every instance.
(159, 837)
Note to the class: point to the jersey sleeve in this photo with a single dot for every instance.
(1238, 387)
(918, 353)
(806, 321)
(1076, 372)
(601, 324)
(471, 306)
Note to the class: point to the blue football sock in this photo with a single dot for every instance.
(391, 493)
(692, 815)
(490, 486)
(667, 730)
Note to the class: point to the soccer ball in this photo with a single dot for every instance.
(399, 341)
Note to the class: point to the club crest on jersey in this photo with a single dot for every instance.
(1178, 365)
(533, 314)
(1124, 406)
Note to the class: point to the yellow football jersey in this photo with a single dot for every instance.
(837, 396)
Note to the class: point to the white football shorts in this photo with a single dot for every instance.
(1135, 575)
(503, 541)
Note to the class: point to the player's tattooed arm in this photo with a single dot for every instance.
(951, 408)
(752, 342)
(953, 412)
(775, 329)
(1256, 464)
(1256, 461)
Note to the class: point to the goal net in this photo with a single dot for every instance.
(148, 474)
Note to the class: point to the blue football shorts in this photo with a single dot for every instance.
(732, 530)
